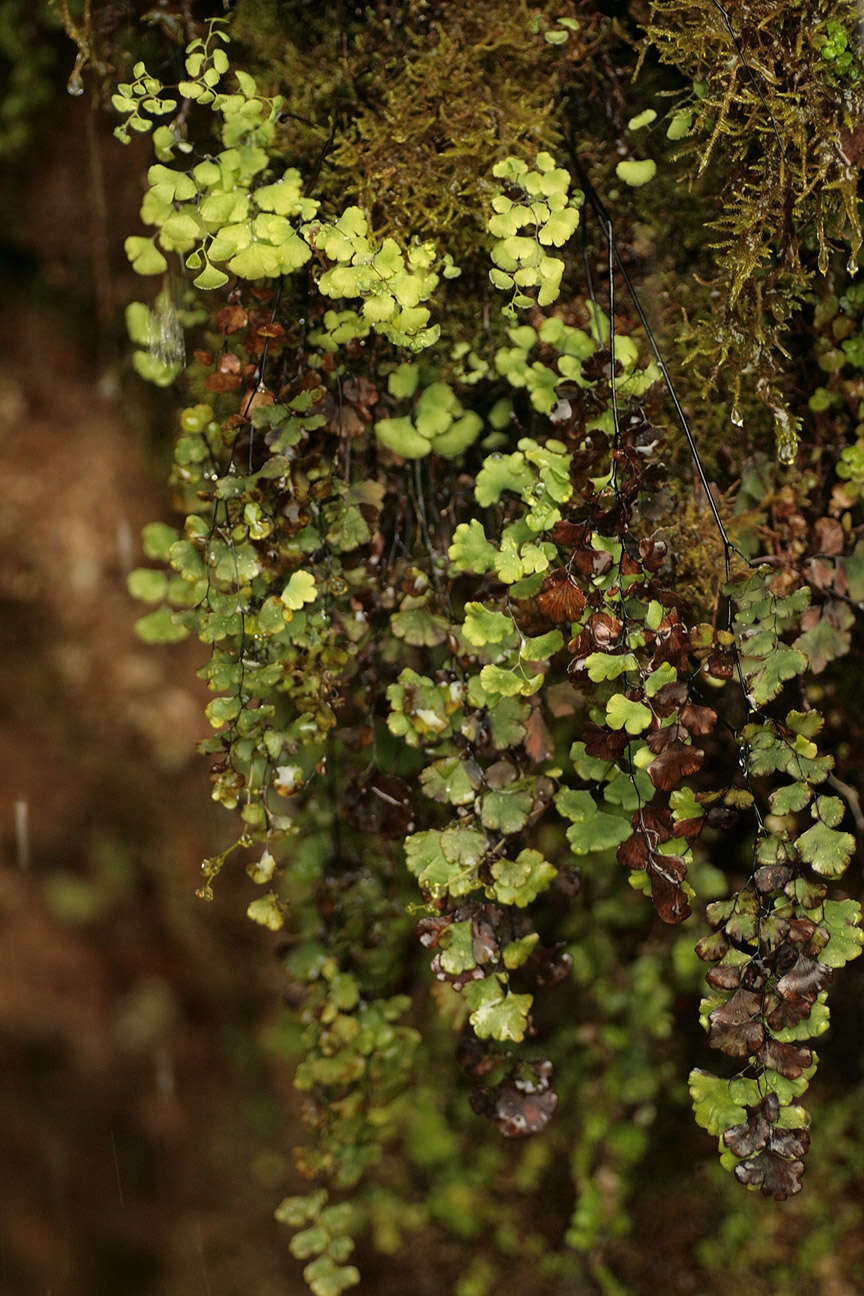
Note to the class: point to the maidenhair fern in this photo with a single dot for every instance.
(454, 677)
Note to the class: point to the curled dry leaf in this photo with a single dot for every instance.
(604, 744)
(805, 977)
(673, 764)
(429, 931)
(605, 630)
(746, 1139)
(570, 534)
(736, 1026)
(522, 1103)
(653, 552)
(231, 319)
(790, 1142)
(657, 821)
(661, 738)
(698, 719)
(776, 1176)
(670, 898)
(789, 1011)
(223, 382)
(669, 698)
(560, 599)
(828, 536)
(689, 828)
(633, 853)
(772, 877)
(725, 977)
(538, 740)
(791, 1060)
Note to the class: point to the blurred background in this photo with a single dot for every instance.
(145, 1124)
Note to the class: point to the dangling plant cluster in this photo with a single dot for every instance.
(473, 730)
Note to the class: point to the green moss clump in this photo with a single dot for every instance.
(769, 133)
(407, 117)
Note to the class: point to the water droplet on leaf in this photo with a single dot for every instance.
(787, 451)
(852, 267)
(736, 417)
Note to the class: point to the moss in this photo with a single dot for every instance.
(412, 113)
(479, 89)
(778, 148)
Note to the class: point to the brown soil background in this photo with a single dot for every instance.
(144, 1127)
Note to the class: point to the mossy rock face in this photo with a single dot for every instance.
(414, 113)
(772, 121)
(475, 90)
